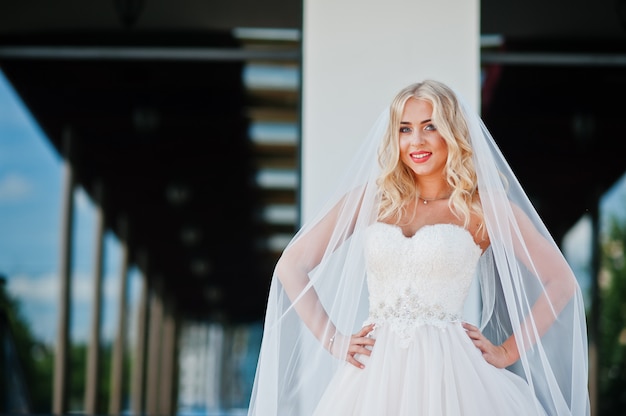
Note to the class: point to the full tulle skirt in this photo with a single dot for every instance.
(432, 370)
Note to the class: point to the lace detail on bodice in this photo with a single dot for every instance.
(418, 280)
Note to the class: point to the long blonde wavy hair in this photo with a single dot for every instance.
(397, 182)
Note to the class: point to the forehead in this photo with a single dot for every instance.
(415, 108)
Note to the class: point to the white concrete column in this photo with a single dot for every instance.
(357, 54)
(62, 353)
(155, 345)
(138, 375)
(119, 345)
(94, 356)
(168, 375)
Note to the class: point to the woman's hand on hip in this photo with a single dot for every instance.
(496, 355)
(358, 344)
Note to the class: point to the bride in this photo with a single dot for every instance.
(366, 309)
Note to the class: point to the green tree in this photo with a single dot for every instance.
(34, 358)
(612, 357)
(78, 369)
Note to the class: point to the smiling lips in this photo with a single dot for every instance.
(420, 157)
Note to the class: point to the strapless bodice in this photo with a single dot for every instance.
(422, 279)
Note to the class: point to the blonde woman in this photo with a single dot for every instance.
(366, 310)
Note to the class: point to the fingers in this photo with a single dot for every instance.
(365, 330)
(492, 354)
(362, 340)
(357, 350)
(473, 332)
(354, 362)
(476, 336)
(360, 343)
(470, 328)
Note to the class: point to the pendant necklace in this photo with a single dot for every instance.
(426, 201)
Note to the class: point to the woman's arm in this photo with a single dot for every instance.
(547, 264)
(302, 256)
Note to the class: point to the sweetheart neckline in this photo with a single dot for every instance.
(397, 227)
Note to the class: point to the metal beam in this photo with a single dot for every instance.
(553, 59)
(143, 53)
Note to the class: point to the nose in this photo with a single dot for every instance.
(417, 137)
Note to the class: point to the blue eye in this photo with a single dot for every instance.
(430, 127)
(405, 129)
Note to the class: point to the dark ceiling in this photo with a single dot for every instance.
(167, 144)
(551, 98)
(151, 98)
(561, 128)
(165, 134)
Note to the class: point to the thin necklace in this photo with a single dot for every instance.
(426, 201)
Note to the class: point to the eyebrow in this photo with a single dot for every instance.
(428, 120)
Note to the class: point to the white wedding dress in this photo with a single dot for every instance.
(423, 362)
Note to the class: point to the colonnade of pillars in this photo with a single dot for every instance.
(152, 389)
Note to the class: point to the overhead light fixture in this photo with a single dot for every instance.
(262, 33)
(190, 235)
(177, 193)
(200, 267)
(213, 294)
(145, 120)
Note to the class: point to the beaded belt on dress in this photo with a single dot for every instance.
(403, 315)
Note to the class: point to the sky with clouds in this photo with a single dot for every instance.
(30, 214)
(30, 191)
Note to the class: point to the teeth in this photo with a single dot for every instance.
(421, 155)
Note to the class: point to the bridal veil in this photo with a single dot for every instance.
(526, 288)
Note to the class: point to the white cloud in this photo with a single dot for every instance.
(28, 288)
(14, 187)
(39, 297)
(45, 288)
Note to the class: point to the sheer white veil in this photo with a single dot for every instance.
(319, 287)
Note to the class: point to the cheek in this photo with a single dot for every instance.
(444, 150)
(441, 144)
(403, 144)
